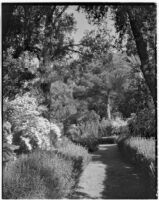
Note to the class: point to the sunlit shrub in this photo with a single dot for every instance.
(119, 126)
(114, 126)
(144, 146)
(30, 129)
(141, 152)
(75, 152)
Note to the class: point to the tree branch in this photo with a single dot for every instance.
(78, 52)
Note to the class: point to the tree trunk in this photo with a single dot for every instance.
(108, 107)
(146, 68)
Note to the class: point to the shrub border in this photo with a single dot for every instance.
(148, 167)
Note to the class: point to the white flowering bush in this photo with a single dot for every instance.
(31, 130)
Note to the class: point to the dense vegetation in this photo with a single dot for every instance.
(104, 85)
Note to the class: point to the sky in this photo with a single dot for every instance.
(82, 23)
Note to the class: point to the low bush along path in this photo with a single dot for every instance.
(109, 176)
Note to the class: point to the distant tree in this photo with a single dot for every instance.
(101, 75)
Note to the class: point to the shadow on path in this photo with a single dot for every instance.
(108, 176)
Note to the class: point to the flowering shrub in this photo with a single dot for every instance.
(30, 129)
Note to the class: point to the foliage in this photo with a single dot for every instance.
(41, 23)
(115, 126)
(105, 127)
(143, 124)
(73, 132)
(35, 56)
(144, 146)
(30, 130)
(62, 104)
(84, 130)
(141, 152)
(89, 137)
(44, 174)
(103, 75)
(39, 175)
(137, 23)
(139, 149)
(17, 72)
(75, 152)
(8, 148)
(44, 85)
(136, 95)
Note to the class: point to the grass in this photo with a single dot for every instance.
(144, 146)
(45, 174)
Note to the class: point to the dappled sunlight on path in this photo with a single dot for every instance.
(108, 176)
(99, 176)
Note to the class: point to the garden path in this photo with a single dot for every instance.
(108, 176)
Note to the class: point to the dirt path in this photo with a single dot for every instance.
(109, 177)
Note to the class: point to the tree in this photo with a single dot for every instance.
(62, 102)
(35, 31)
(138, 21)
(142, 27)
(37, 28)
(101, 75)
(17, 72)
